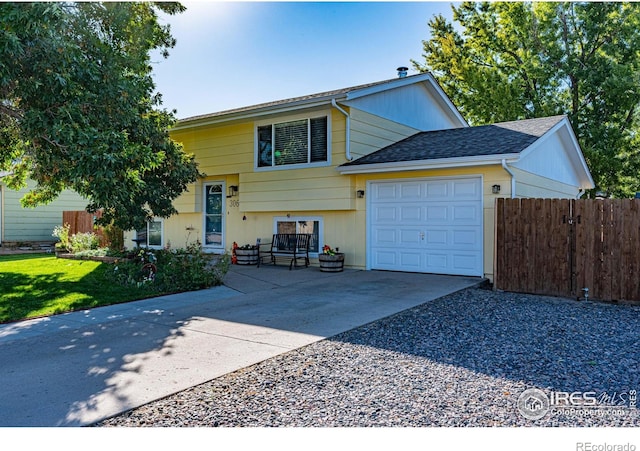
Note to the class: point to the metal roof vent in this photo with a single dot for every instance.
(402, 71)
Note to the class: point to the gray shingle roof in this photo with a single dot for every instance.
(485, 140)
(276, 103)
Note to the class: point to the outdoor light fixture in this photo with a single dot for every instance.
(495, 189)
(233, 190)
(360, 193)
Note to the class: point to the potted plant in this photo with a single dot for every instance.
(331, 260)
(247, 254)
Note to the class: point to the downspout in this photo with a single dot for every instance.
(580, 193)
(347, 145)
(513, 178)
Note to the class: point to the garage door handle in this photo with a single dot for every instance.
(422, 236)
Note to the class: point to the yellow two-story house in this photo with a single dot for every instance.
(389, 172)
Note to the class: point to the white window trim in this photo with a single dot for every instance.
(209, 247)
(296, 219)
(161, 245)
(292, 118)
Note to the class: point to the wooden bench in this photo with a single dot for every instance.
(293, 246)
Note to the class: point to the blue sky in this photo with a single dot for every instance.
(233, 54)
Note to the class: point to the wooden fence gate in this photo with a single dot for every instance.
(559, 247)
(83, 222)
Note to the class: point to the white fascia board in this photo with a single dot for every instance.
(576, 157)
(256, 113)
(423, 78)
(439, 163)
(392, 84)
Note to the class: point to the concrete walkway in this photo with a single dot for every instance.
(78, 368)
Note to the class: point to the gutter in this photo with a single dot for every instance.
(347, 145)
(419, 165)
(513, 178)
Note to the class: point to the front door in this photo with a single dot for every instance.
(213, 238)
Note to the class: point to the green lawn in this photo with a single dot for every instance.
(40, 285)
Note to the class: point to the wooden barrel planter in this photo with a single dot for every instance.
(331, 263)
(247, 256)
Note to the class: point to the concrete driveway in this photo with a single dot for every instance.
(78, 368)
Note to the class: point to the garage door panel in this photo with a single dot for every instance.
(436, 214)
(411, 261)
(466, 189)
(410, 191)
(410, 237)
(411, 213)
(385, 237)
(437, 262)
(437, 190)
(467, 213)
(463, 263)
(427, 225)
(385, 215)
(386, 192)
(470, 238)
(436, 237)
(385, 259)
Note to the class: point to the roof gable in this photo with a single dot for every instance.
(418, 105)
(354, 94)
(557, 156)
(544, 146)
(504, 138)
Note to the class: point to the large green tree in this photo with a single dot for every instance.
(78, 107)
(502, 61)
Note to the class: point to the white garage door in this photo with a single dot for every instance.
(426, 225)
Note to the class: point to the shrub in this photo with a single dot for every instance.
(114, 237)
(177, 269)
(62, 233)
(83, 241)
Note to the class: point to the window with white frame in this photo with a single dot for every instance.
(312, 226)
(298, 142)
(152, 235)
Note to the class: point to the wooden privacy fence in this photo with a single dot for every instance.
(560, 247)
(83, 222)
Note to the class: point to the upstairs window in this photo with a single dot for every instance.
(299, 142)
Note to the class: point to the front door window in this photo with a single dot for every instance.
(213, 216)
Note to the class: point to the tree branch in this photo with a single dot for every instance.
(11, 112)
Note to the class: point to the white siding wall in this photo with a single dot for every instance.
(416, 105)
(549, 158)
(533, 185)
(34, 224)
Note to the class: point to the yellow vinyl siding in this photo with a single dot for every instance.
(226, 153)
(227, 150)
(309, 189)
(219, 150)
(370, 133)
